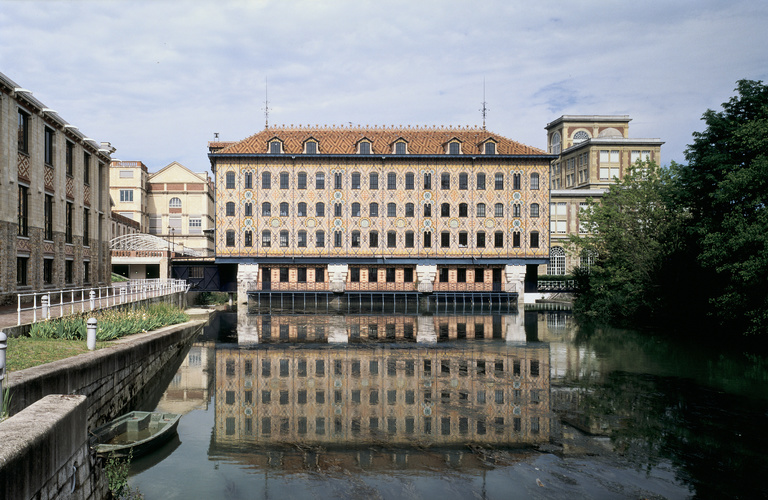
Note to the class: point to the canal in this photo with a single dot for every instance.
(456, 404)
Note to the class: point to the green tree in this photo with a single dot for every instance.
(632, 232)
(724, 187)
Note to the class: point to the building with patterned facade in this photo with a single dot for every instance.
(438, 395)
(343, 209)
(55, 210)
(593, 152)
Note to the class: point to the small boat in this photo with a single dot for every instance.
(138, 432)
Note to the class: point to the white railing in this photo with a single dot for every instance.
(58, 303)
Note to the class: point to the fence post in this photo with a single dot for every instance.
(91, 341)
(92, 297)
(3, 346)
(122, 295)
(45, 302)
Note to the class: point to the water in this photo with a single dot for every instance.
(468, 405)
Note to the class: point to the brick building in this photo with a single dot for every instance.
(55, 210)
(345, 209)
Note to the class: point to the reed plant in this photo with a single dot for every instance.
(112, 323)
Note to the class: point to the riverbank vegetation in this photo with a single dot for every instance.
(112, 323)
(56, 339)
(688, 241)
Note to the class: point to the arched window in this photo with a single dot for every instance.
(556, 264)
(391, 210)
(284, 209)
(534, 181)
(534, 209)
(373, 210)
(534, 239)
(230, 176)
(320, 239)
(445, 210)
(498, 210)
(230, 209)
(355, 242)
(283, 238)
(587, 259)
(301, 180)
(230, 238)
(391, 180)
(580, 136)
(463, 210)
(554, 143)
(409, 180)
(355, 209)
(301, 209)
(481, 210)
(320, 209)
(463, 181)
(248, 209)
(174, 203)
(266, 180)
(266, 209)
(249, 180)
(266, 239)
(410, 210)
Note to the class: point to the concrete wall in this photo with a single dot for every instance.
(111, 378)
(44, 453)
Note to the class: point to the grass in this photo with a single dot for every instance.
(117, 278)
(26, 352)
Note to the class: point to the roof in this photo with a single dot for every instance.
(344, 140)
(589, 118)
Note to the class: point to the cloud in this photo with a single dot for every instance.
(157, 79)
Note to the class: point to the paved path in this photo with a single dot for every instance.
(9, 314)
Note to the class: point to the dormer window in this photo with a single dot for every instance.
(364, 148)
(400, 148)
(310, 148)
(454, 148)
(490, 148)
(275, 147)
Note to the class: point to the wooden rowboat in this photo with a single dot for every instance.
(139, 432)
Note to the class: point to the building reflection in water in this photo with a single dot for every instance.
(189, 388)
(282, 394)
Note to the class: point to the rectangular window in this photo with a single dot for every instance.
(481, 239)
(195, 225)
(69, 222)
(479, 275)
(311, 148)
(390, 275)
(86, 168)
(124, 174)
(23, 132)
(48, 271)
(126, 195)
(391, 239)
(86, 227)
(69, 266)
(445, 239)
(21, 270)
(50, 135)
(48, 214)
(23, 211)
(365, 148)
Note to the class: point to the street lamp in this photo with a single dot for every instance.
(171, 230)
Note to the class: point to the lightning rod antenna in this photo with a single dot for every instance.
(484, 109)
(266, 103)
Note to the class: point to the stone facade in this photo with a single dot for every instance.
(55, 215)
(593, 152)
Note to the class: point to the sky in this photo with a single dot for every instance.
(158, 79)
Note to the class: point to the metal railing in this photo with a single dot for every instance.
(58, 303)
(556, 285)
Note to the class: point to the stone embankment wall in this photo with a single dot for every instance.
(44, 453)
(109, 381)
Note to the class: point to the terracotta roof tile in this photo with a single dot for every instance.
(343, 140)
